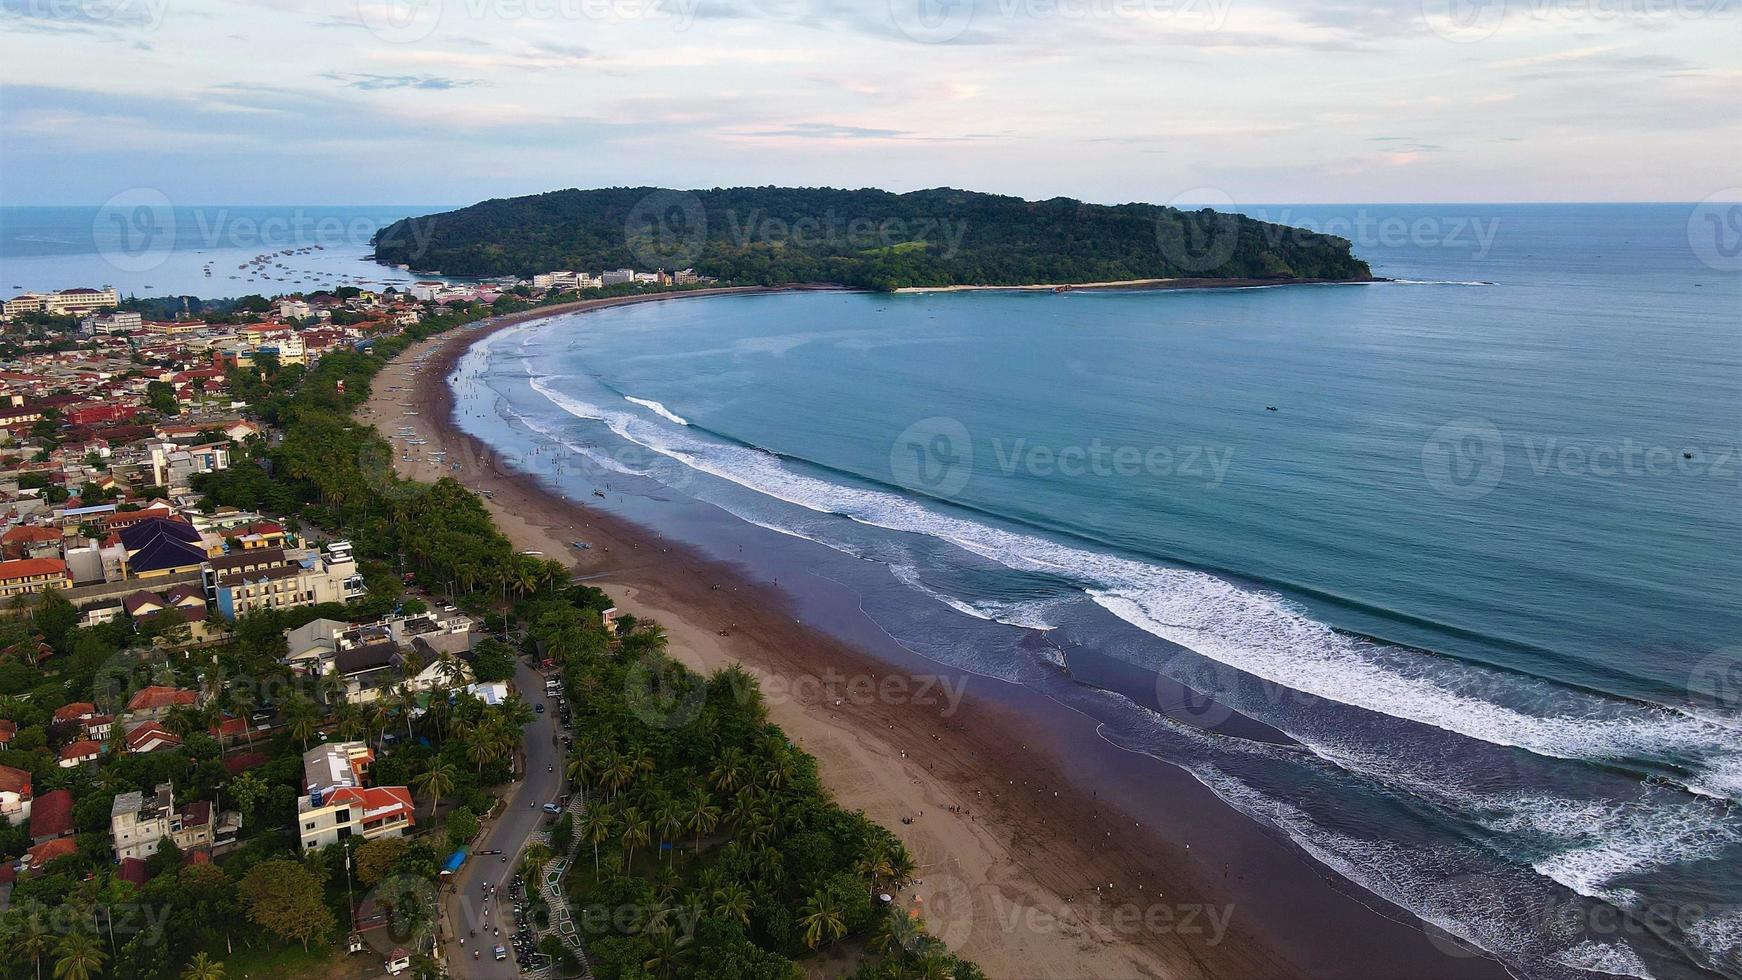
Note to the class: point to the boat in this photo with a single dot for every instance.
(1270, 408)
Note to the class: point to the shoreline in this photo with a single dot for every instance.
(1005, 870)
(1145, 284)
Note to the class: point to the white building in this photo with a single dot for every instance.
(337, 804)
(614, 276)
(119, 321)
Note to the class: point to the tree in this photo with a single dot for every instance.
(77, 957)
(635, 832)
(203, 967)
(822, 920)
(160, 395)
(376, 859)
(284, 897)
(437, 781)
(701, 815)
(301, 719)
(54, 618)
(31, 939)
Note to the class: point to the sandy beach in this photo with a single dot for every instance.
(1024, 868)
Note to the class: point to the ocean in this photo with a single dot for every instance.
(144, 247)
(1468, 539)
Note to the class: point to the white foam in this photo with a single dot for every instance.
(1605, 958)
(658, 409)
(1252, 631)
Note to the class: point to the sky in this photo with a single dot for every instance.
(1167, 101)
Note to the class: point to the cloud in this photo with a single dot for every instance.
(372, 83)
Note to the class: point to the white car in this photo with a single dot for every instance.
(552, 808)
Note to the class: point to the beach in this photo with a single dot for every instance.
(1043, 851)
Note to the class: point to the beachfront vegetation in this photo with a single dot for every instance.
(863, 238)
(709, 846)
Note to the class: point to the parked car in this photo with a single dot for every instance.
(552, 808)
(538, 708)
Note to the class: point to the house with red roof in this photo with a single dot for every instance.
(40, 855)
(26, 575)
(15, 795)
(52, 816)
(77, 711)
(31, 541)
(81, 752)
(155, 701)
(151, 737)
(8, 732)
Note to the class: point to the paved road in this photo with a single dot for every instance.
(463, 908)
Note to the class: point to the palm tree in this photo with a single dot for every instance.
(405, 703)
(733, 902)
(301, 718)
(635, 832)
(595, 827)
(380, 716)
(822, 920)
(203, 967)
(701, 815)
(728, 773)
(668, 817)
(874, 865)
(31, 940)
(898, 933)
(436, 781)
(669, 952)
(77, 957)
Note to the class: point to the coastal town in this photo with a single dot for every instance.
(315, 742)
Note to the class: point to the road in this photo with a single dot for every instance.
(462, 908)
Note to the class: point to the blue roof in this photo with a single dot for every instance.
(455, 860)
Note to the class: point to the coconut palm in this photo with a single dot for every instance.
(595, 828)
(701, 815)
(301, 719)
(669, 952)
(668, 818)
(77, 957)
(897, 933)
(31, 939)
(733, 902)
(635, 832)
(822, 920)
(203, 967)
(436, 781)
(728, 773)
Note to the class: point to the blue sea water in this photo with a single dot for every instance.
(1470, 539)
(143, 246)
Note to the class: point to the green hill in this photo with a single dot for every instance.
(865, 238)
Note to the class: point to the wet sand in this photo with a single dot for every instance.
(1043, 851)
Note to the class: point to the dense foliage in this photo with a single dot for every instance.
(863, 238)
(709, 846)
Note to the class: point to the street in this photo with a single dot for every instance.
(462, 908)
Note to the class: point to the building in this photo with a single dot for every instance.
(151, 737)
(118, 322)
(155, 701)
(139, 825)
(15, 795)
(613, 276)
(52, 817)
(337, 804)
(27, 575)
(174, 466)
(84, 300)
(162, 546)
(75, 754)
(273, 578)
